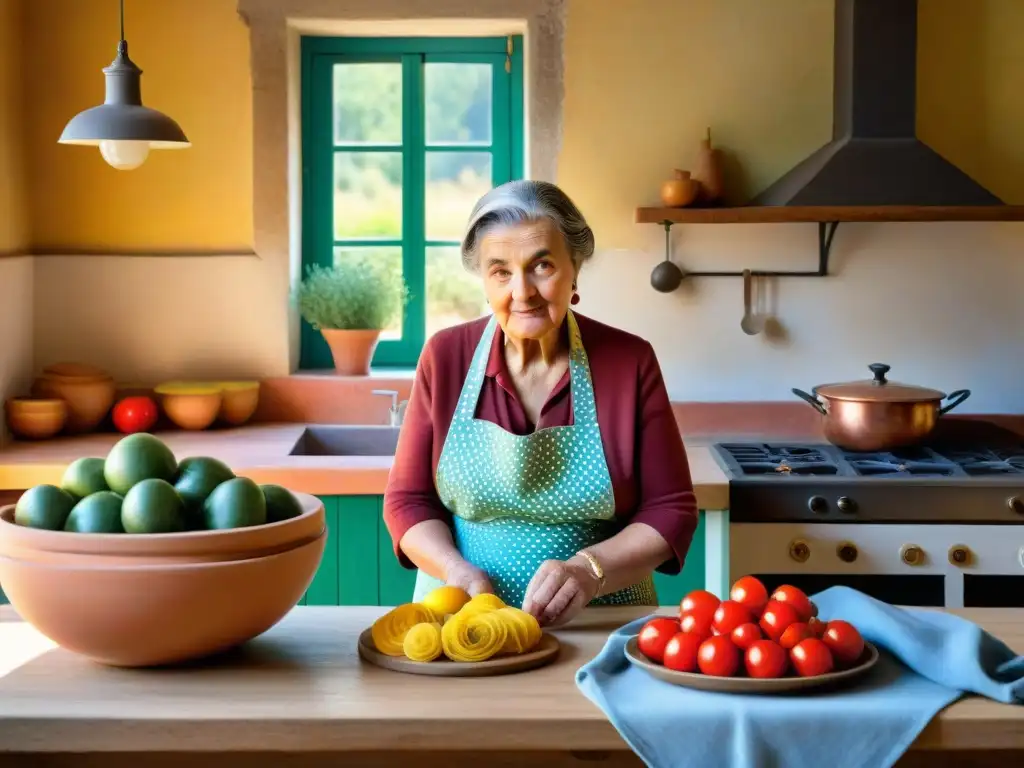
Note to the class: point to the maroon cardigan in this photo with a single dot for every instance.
(642, 445)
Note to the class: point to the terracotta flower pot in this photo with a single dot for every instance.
(352, 350)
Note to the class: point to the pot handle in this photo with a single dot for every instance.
(816, 405)
(955, 399)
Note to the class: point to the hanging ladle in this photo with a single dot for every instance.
(750, 323)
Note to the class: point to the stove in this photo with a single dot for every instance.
(940, 524)
(820, 482)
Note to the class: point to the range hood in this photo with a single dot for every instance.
(875, 157)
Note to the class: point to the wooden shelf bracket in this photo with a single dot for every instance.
(826, 233)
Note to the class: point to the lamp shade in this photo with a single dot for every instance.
(122, 127)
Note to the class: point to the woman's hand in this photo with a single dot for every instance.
(559, 591)
(459, 572)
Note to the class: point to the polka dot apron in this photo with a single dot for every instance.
(518, 500)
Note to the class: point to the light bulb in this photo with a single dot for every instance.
(124, 155)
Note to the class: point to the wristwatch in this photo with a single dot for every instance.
(595, 567)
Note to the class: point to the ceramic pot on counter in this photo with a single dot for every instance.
(877, 414)
(88, 391)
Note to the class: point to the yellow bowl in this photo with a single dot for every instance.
(36, 418)
(239, 401)
(190, 405)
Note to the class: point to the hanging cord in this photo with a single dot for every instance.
(122, 20)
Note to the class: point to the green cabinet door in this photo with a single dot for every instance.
(348, 570)
(672, 589)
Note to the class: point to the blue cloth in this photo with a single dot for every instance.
(930, 660)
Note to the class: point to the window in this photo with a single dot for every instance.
(400, 137)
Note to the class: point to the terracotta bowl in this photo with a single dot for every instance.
(103, 549)
(36, 418)
(89, 397)
(239, 401)
(149, 615)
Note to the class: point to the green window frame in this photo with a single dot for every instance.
(318, 57)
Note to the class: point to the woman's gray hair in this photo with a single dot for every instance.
(518, 202)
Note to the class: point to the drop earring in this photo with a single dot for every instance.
(575, 296)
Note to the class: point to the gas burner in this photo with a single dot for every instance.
(779, 460)
(904, 462)
(999, 461)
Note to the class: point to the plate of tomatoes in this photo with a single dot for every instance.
(751, 642)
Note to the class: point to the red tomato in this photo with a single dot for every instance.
(681, 652)
(794, 634)
(750, 592)
(718, 657)
(699, 601)
(746, 635)
(817, 627)
(765, 659)
(730, 615)
(655, 636)
(844, 641)
(135, 414)
(697, 623)
(811, 657)
(796, 598)
(776, 619)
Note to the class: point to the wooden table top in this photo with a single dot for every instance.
(302, 688)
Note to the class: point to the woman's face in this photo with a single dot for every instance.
(528, 276)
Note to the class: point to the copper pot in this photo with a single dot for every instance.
(878, 414)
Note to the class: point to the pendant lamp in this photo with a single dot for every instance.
(123, 129)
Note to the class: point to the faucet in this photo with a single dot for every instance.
(396, 412)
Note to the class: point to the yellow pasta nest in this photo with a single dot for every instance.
(481, 629)
(423, 642)
(388, 632)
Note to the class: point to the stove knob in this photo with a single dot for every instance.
(911, 554)
(818, 505)
(847, 552)
(799, 550)
(1016, 504)
(846, 504)
(959, 554)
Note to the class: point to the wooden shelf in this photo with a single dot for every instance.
(828, 214)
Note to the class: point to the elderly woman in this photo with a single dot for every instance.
(539, 458)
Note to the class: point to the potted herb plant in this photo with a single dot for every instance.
(350, 303)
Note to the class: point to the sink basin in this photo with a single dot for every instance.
(346, 440)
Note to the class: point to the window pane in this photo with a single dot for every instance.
(453, 295)
(367, 195)
(455, 181)
(368, 103)
(387, 258)
(458, 103)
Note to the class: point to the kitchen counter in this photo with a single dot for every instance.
(301, 688)
(261, 453)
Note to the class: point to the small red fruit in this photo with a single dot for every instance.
(750, 592)
(796, 599)
(794, 634)
(698, 623)
(746, 635)
(765, 659)
(681, 652)
(817, 627)
(776, 619)
(844, 641)
(718, 657)
(699, 601)
(811, 657)
(654, 636)
(137, 413)
(730, 615)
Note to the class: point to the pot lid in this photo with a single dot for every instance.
(878, 389)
